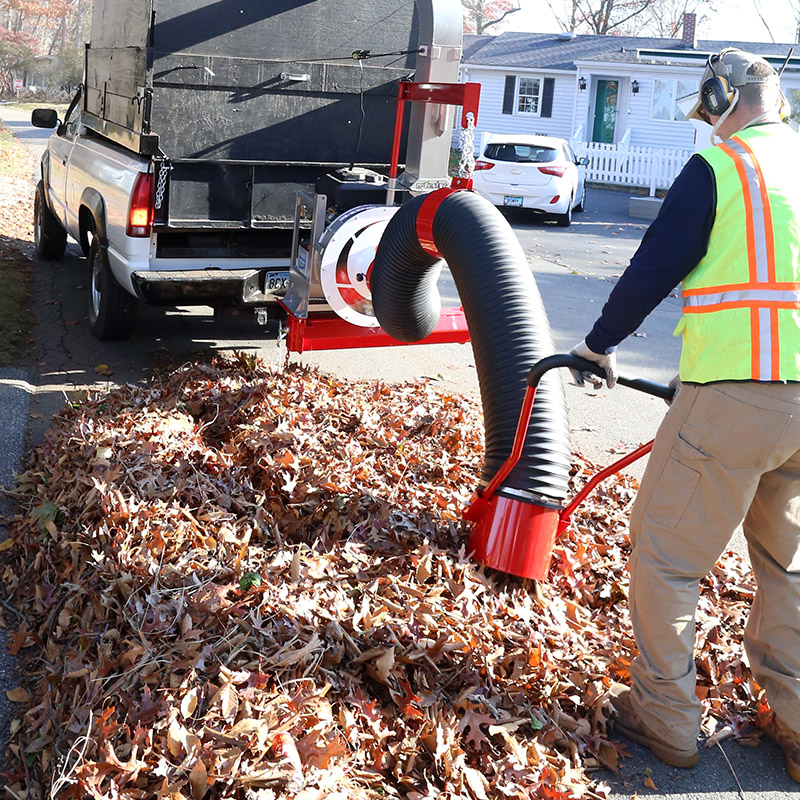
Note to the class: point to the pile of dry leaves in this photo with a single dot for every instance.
(238, 583)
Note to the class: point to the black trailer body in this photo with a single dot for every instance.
(248, 100)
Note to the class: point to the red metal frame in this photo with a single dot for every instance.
(518, 537)
(466, 95)
(327, 331)
(515, 537)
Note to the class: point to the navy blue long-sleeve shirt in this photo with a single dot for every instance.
(671, 248)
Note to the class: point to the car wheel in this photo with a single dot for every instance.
(50, 239)
(565, 220)
(582, 205)
(112, 311)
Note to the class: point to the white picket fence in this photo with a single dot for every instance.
(624, 164)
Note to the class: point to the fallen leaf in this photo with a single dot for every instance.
(18, 695)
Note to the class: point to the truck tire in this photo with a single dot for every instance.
(112, 311)
(49, 237)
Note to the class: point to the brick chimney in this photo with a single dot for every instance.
(690, 31)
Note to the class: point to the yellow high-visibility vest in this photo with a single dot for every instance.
(741, 303)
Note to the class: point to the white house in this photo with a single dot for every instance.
(616, 98)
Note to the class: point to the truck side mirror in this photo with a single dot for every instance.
(44, 118)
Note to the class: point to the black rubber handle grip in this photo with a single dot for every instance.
(582, 365)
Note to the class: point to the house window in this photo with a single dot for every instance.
(529, 96)
(666, 95)
(532, 96)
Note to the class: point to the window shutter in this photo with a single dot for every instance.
(547, 97)
(509, 94)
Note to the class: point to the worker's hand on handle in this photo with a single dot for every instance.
(675, 384)
(607, 361)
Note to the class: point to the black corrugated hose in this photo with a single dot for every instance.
(507, 323)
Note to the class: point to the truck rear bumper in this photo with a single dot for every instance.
(212, 287)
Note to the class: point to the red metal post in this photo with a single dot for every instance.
(480, 500)
(566, 514)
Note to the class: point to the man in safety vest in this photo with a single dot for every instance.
(728, 450)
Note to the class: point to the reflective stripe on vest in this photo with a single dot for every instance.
(762, 294)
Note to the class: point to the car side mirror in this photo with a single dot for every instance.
(582, 162)
(44, 118)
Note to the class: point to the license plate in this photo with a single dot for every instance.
(276, 281)
(512, 201)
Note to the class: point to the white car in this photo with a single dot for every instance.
(536, 172)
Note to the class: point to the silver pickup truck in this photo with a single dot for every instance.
(105, 196)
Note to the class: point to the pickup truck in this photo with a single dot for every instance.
(104, 196)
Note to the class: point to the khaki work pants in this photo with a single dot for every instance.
(726, 454)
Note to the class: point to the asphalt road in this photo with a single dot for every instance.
(575, 269)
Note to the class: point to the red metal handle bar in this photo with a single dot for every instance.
(566, 514)
(534, 376)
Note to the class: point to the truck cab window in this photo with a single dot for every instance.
(70, 125)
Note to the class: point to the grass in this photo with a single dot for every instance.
(15, 312)
(16, 234)
(29, 105)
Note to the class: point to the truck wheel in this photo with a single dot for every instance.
(49, 237)
(112, 311)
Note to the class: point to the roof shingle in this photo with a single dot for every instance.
(548, 51)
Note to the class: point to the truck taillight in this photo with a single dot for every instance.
(140, 216)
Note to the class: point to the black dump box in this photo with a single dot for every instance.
(248, 100)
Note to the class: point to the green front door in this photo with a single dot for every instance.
(605, 111)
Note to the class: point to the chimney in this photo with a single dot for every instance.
(690, 31)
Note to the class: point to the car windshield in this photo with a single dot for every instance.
(521, 153)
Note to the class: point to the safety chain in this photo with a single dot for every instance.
(466, 164)
(161, 186)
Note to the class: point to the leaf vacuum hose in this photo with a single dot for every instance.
(506, 319)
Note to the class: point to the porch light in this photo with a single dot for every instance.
(582, 83)
(635, 86)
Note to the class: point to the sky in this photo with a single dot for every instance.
(739, 21)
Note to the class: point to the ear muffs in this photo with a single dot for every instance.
(716, 96)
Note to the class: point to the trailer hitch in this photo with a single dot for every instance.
(518, 537)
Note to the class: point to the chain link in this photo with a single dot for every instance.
(466, 164)
(161, 186)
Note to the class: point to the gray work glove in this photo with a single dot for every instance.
(607, 362)
(675, 384)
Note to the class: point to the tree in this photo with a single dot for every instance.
(596, 16)
(632, 17)
(664, 18)
(17, 51)
(482, 14)
(54, 28)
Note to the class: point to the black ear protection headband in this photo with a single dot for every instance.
(716, 94)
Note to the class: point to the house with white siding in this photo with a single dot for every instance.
(616, 98)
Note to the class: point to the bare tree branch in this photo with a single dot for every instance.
(761, 17)
(633, 17)
(483, 14)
